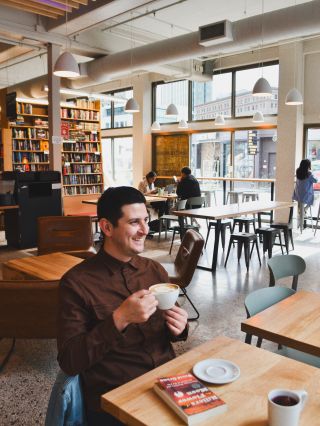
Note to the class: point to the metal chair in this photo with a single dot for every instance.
(290, 265)
(286, 229)
(166, 218)
(182, 270)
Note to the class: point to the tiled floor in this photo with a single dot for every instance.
(26, 381)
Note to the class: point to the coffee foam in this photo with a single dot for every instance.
(163, 288)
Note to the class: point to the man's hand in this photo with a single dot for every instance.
(176, 319)
(137, 308)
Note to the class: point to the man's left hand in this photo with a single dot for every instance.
(176, 319)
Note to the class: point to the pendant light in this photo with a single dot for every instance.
(131, 105)
(219, 120)
(294, 97)
(262, 86)
(155, 126)
(172, 110)
(66, 65)
(258, 117)
(183, 124)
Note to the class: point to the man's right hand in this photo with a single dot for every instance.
(137, 308)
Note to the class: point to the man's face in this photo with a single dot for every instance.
(127, 238)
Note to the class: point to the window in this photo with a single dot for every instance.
(255, 153)
(171, 93)
(117, 164)
(215, 94)
(245, 80)
(113, 114)
(313, 152)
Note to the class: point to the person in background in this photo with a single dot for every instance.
(188, 186)
(146, 186)
(109, 328)
(303, 191)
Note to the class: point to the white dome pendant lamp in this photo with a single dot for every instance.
(258, 117)
(66, 65)
(219, 120)
(155, 126)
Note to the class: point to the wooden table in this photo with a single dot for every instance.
(135, 403)
(149, 199)
(46, 267)
(293, 322)
(229, 211)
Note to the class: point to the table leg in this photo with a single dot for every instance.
(215, 249)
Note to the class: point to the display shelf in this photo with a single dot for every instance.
(81, 150)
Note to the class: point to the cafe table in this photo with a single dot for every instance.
(136, 403)
(46, 267)
(228, 211)
(292, 322)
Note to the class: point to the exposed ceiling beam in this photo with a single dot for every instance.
(16, 5)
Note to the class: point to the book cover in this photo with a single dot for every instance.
(189, 398)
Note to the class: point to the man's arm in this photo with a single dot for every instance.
(80, 344)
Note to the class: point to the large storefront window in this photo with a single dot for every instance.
(117, 161)
(246, 104)
(113, 114)
(255, 154)
(212, 98)
(171, 93)
(313, 152)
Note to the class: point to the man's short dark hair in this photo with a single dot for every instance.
(186, 170)
(151, 174)
(111, 201)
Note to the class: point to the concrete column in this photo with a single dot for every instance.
(290, 123)
(54, 110)
(142, 149)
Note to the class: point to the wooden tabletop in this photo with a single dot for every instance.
(46, 267)
(151, 198)
(135, 403)
(234, 210)
(15, 206)
(293, 322)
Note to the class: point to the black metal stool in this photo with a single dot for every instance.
(244, 222)
(244, 239)
(268, 236)
(224, 225)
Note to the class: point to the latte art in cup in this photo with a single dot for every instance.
(166, 294)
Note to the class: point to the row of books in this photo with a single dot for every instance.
(30, 133)
(82, 168)
(81, 179)
(31, 167)
(23, 108)
(80, 114)
(81, 157)
(82, 190)
(29, 157)
(27, 144)
(80, 146)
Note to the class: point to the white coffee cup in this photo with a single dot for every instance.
(285, 406)
(166, 294)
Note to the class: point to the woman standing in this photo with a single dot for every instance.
(303, 191)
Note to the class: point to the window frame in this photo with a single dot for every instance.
(114, 93)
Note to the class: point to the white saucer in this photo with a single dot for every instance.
(216, 371)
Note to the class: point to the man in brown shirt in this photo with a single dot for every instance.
(110, 330)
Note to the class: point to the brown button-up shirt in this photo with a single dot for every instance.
(88, 341)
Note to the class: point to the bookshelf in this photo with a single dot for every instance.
(30, 137)
(81, 148)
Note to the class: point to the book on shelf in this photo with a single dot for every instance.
(191, 400)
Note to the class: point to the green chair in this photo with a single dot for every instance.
(286, 266)
(262, 299)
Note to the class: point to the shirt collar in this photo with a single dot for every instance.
(115, 265)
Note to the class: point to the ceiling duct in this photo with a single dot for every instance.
(246, 35)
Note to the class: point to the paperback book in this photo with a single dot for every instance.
(189, 398)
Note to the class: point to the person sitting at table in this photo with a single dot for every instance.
(188, 186)
(146, 186)
(109, 328)
(303, 191)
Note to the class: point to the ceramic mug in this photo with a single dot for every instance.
(166, 294)
(285, 406)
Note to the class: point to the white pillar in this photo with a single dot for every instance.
(290, 123)
(141, 128)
